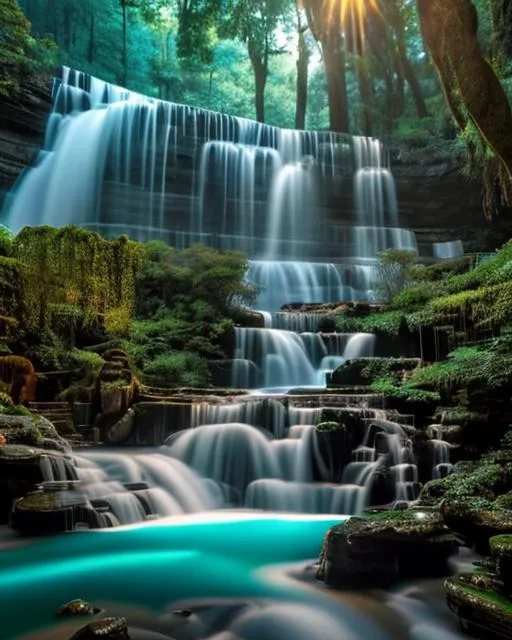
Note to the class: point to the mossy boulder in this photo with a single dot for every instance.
(364, 371)
(501, 551)
(31, 429)
(477, 520)
(480, 605)
(385, 547)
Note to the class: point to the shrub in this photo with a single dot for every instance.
(179, 368)
(393, 272)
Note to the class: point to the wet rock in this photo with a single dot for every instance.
(386, 547)
(32, 429)
(480, 605)
(122, 429)
(54, 510)
(76, 607)
(363, 371)
(333, 446)
(476, 520)
(105, 629)
(21, 470)
(501, 550)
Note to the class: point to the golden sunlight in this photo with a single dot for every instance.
(351, 12)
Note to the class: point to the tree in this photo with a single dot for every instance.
(326, 29)
(302, 74)
(14, 40)
(255, 22)
(472, 89)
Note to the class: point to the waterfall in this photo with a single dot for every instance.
(120, 162)
(302, 360)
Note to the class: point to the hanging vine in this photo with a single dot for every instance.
(73, 275)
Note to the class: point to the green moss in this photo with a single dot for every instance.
(329, 426)
(385, 322)
(501, 545)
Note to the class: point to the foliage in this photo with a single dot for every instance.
(71, 275)
(486, 366)
(407, 392)
(6, 239)
(329, 427)
(179, 368)
(414, 296)
(393, 272)
(7, 409)
(387, 322)
(196, 282)
(14, 40)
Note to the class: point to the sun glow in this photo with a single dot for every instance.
(351, 13)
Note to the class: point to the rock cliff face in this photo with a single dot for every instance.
(434, 198)
(22, 124)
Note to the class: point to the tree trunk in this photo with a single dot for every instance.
(302, 78)
(90, 46)
(259, 63)
(413, 83)
(334, 63)
(124, 55)
(450, 32)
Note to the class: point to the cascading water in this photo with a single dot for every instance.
(120, 162)
(275, 460)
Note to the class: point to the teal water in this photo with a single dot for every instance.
(156, 564)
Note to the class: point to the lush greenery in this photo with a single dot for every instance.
(65, 290)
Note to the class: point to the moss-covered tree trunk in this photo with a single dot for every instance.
(450, 32)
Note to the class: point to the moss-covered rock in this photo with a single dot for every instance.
(480, 605)
(31, 429)
(386, 547)
(501, 551)
(364, 371)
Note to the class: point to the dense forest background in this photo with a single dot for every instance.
(266, 59)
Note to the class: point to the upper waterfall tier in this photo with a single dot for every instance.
(121, 162)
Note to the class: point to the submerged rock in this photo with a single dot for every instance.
(386, 547)
(106, 629)
(77, 607)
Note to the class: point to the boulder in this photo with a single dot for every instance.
(477, 520)
(122, 429)
(480, 605)
(54, 510)
(22, 468)
(77, 607)
(386, 547)
(106, 629)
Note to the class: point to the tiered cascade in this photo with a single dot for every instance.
(258, 454)
(310, 209)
